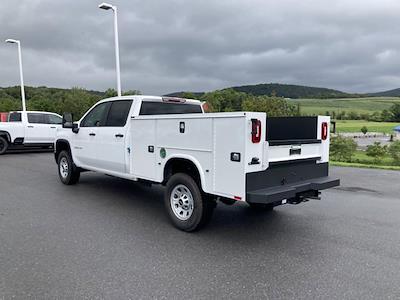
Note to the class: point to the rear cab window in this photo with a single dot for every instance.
(15, 117)
(166, 108)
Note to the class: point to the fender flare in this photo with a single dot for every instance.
(191, 159)
(8, 136)
(55, 147)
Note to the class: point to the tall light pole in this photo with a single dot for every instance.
(107, 6)
(21, 75)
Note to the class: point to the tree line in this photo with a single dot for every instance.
(78, 100)
(387, 115)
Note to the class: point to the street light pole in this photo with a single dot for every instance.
(21, 75)
(107, 6)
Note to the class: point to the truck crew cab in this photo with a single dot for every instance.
(200, 157)
(29, 128)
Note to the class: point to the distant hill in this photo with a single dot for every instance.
(180, 94)
(291, 91)
(390, 93)
(283, 90)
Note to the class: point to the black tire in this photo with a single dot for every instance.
(72, 174)
(202, 208)
(261, 207)
(3, 145)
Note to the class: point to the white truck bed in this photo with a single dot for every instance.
(209, 140)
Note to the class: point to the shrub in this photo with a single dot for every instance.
(364, 129)
(394, 151)
(342, 148)
(376, 151)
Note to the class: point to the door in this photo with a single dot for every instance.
(111, 139)
(37, 131)
(86, 140)
(54, 122)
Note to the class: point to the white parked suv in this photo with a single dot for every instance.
(200, 157)
(29, 128)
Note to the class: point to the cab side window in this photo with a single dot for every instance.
(118, 114)
(37, 118)
(54, 119)
(97, 116)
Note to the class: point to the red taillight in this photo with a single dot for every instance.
(255, 130)
(324, 131)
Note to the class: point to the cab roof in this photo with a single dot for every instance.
(147, 98)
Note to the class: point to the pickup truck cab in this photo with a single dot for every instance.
(29, 128)
(200, 157)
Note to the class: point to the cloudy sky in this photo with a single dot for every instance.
(201, 45)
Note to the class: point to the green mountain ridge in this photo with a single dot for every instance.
(297, 91)
(281, 90)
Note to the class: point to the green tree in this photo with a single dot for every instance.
(273, 106)
(110, 93)
(377, 151)
(188, 95)
(395, 111)
(386, 116)
(394, 151)
(131, 92)
(364, 130)
(342, 148)
(353, 115)
(225, 100)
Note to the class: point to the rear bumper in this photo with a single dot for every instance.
(289, 180)
(289, 191)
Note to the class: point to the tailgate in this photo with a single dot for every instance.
(295, 138)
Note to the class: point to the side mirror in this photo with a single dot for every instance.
(75, 128)
(67, 121)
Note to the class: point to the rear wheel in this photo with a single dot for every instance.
(261, 207)
(187, 207)
(68, 172)
(3, 145)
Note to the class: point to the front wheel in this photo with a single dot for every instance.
(3, 145)
(187, 208)
(68, 172)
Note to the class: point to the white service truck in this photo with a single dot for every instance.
(29, 128)
(200, 157)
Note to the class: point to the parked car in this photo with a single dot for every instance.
(29, 128)
(200, 157)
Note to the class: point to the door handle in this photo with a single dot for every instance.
(119, 135)
(53, 127)
(30, 126)
(92, 134)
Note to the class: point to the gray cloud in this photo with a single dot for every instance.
(204, 45)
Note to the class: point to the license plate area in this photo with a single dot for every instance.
(295, 151)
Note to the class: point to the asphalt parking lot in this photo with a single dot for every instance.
(110, 238)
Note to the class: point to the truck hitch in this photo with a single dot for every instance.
(304, 197)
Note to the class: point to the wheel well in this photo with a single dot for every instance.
(181, 165)
(5, 135)
(61, 145)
